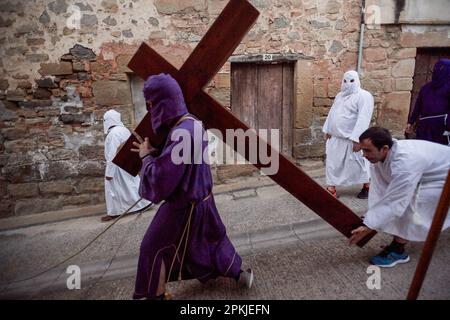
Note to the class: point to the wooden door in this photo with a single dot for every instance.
(262, 96)
(425, 60)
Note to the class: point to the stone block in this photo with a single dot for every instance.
(393, 113)
(425, 39)
(41, 93)
(91, 185)
(15, 133)
(56, 187)
(56, 170)
(16, 95)
(24, 84)
(80, 52)
(109, 93)
(29, 206)
(375, 54)
(228, 172)
(3, 185)
(23, 190)
(91, 168)
(222, 95)
(316, 150)
(37, 57)
(222, 80)
(6, 208)
(321, 88)
(61, 154)
(46, 83)
(404, 68)
(88, 20)
(80, 66)
(5, 113)
(122, 61)
(178, 6)
(110, 6)
(56, 69)
(19, 146)
(302, 136)
(4, 84)
(73, 200)
(403, 84)
(404, 53)
(36, 42)
(323, 102)
(32, 104)
(75, 118)
(91, 152)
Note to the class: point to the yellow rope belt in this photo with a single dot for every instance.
(185, 232)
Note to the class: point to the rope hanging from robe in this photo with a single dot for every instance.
(79, 251)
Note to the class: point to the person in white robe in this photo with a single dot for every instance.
(121, 188)
(348, 117)
(407, 179)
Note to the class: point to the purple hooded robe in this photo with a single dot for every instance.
(432, 108)
(209, 252)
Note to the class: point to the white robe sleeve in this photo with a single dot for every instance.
(391, 203)
(112, 142)
(325, 128)
(365, 110)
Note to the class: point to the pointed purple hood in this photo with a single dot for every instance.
(441, 73)
(167, 100)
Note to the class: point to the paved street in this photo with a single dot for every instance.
(294, 254)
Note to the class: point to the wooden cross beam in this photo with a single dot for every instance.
(205, 61)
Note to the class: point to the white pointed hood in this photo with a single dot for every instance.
(111, 118)
(350, 83)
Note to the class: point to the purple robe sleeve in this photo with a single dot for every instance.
(159, 175)
(413, 117)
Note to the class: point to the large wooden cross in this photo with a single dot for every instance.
(211, 53)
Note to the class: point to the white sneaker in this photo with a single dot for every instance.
(246, 278)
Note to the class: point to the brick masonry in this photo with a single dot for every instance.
(62, 66)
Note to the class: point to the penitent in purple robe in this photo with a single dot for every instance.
(209, 252)
(432, 108)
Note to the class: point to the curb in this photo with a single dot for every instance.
(88, 211)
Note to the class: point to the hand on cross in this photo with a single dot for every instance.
(358, 234)
(144, 146)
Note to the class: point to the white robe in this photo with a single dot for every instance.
(406, 187)
(348, 118)
(123, 190)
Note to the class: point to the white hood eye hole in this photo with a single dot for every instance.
(353, 80)
(345, 81)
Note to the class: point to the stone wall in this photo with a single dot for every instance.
(63, 64)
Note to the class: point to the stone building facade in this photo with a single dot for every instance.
(64, 63)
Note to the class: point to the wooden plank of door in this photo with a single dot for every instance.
(244, 92)
(270, 96)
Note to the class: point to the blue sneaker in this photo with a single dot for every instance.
(389, 259)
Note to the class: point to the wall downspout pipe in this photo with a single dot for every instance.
(361, 36)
